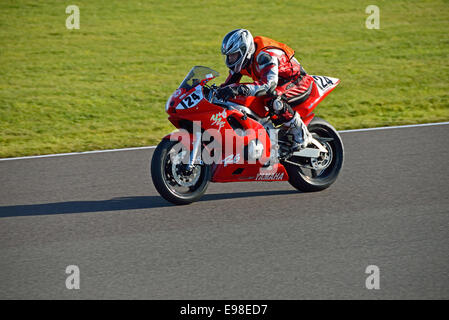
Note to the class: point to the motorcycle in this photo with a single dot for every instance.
(236, 140)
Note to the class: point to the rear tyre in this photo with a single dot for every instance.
(171, 180)
(330, 164)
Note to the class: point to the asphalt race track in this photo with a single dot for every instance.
(100, 212)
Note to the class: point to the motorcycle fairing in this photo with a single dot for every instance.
(216, 117)
(322, 86)
(191, 105)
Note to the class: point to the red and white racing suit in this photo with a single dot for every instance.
(276, 75)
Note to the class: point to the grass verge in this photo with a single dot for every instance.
(105, 85)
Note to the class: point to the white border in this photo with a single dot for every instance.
(152, 147)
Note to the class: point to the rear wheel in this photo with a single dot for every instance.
(315, 174)
(170, 177)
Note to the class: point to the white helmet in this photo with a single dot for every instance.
(238, 47)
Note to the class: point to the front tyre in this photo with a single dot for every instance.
(315, 174)
(170, 178)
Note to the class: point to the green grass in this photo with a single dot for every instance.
(105, 85)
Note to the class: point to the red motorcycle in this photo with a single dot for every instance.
(235, 140)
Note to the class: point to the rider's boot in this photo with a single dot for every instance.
(297, 128)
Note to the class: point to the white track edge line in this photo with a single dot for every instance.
(396, 127)
(76, 153)
(152, 147)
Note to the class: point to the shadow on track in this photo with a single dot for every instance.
(117, 204)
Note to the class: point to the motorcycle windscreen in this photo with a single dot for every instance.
(196, 75)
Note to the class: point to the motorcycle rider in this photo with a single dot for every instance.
(276, 74)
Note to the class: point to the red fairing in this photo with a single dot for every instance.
(316, 96)
(234, 162)
(249, 173)
(256, 104)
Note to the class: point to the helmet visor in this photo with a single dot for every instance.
(233, 58)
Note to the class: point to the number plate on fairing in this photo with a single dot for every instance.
(324, 84)
(192, 99)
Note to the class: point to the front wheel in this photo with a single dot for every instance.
(315, 174)
(170, 177)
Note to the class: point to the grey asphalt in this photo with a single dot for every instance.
(100, 212)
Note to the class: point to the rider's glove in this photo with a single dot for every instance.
(229, 92)
(226, 93)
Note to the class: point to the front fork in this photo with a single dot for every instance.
(195, 150)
